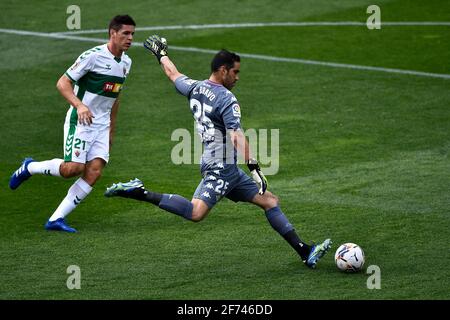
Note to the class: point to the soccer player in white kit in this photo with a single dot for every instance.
(91, 86)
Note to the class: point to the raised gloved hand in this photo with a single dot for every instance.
(157, 46)
(257, 175)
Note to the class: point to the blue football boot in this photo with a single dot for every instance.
(59, 225)
(317, 252)
(21, 174)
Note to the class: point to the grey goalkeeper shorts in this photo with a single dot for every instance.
(230, 182)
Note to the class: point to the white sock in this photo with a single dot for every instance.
(49, 167)
(77, 192)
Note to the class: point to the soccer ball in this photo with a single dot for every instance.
(349, 257)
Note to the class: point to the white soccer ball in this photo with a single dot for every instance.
(349, 257)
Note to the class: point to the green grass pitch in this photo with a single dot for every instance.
(364, 155)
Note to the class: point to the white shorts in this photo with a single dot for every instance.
(83, 143)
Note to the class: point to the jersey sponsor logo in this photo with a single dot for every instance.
(112, 87)
(107, 67)
(236, 110)
(77, 153)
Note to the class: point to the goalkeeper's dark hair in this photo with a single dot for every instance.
(118, 21)
(224, 58)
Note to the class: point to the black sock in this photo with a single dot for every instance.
(302, 248)
(142, 194)
(153, 197)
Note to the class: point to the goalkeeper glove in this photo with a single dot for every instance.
(157, 46)
(257, 175)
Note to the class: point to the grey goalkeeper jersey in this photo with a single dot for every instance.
(215, 110)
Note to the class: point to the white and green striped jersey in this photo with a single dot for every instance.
(98, 77)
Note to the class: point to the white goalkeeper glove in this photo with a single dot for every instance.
(257, 175)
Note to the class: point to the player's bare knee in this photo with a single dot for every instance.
(92, 175)
(199, 210)
(199, 213)
(197, 216)
(275, 199)
(69, 170)
(271, 201)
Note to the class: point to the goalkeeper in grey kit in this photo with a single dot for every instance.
(218, 121)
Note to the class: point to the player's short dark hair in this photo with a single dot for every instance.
(224, 58)
(118, 21)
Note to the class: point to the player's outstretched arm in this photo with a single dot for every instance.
(170, 69)
(158, 47)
